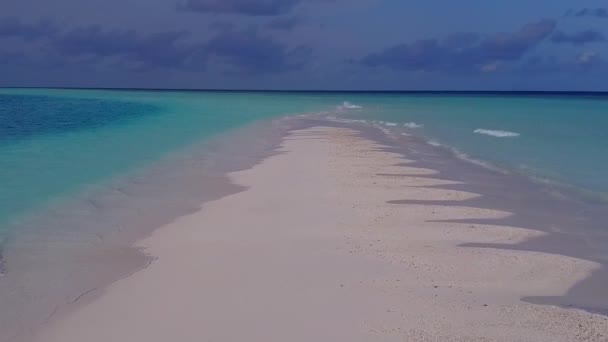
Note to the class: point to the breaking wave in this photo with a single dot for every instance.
(348, 105)
(411, 125)
(496, 133)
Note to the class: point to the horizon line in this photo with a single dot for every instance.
(427, 91)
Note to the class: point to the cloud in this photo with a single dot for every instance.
(589, 58)
(285, 23)
(490, 67)
(248, 51)
(512, 46)
(245, 7)
(13, 58)
(421, 55)
(222, 25)
(238, 51)
(154, 50)
(464, 52)
(578, 38)
(589, 12)
(12, 27)
(460, 40)
(540, 65)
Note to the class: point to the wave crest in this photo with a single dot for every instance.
(496, 133)
(348, 105)
(412, 125)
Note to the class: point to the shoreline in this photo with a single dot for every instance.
(93, 245)
(442, 191)
(573, 223)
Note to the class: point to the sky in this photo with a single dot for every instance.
(306, 44)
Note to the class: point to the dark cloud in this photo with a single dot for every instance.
(249, 52)
(589, 12)
(246, 7)
(245, 51)
(12, 27)
(421, 55)
(512, 46)
(578, 38)
(584, 61)
(154, 50)
(464, 52)
(285, 23)
(41, 58)
(462, 40)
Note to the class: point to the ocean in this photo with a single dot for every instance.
(558, 138)
(85, 172)
(54, 142)
(78, 167)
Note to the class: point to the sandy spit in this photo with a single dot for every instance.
(312, 251)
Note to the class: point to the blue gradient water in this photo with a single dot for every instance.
(56, 144)
(553, 137)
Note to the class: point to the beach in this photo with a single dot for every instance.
(337, 237)
(276, 170)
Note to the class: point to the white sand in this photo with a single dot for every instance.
(312, 252)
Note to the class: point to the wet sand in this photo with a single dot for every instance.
(337, 239)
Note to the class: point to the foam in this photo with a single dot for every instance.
(496, 133)
(348, 105)
(412, 125)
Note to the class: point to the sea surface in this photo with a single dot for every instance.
(77, 166)
(54, 142)
(82, 172)
(560, 138)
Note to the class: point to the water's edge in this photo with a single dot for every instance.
(182, 183)
(95, 246)
(573, 226)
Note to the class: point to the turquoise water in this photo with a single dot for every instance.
(54, 143)
(146, 152)
(557, 138)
